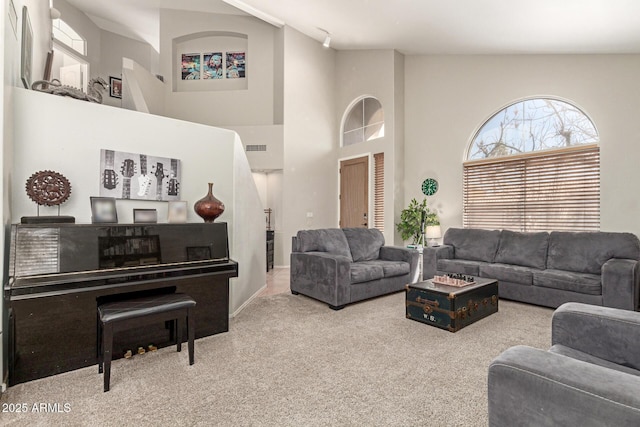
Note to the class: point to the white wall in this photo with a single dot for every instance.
(449, 97)
(141, 90)
(248, 235)
(260, 178)
(398, 143)
(252, 106)
(269, 135)
(212, 42)
(10, 55)
(68, 138)
(310, 176)
(373, 73)
(114, 48)
(41, 26)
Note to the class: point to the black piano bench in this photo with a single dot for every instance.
(131, 313)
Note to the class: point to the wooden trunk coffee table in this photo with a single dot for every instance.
(451, 307)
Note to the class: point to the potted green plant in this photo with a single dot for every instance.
(411, 219)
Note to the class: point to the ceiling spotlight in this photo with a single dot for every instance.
(327, 41)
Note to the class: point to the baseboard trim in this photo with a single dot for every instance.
(247, 302)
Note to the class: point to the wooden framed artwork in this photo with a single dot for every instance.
(115, 87)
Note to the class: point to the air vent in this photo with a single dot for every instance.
(253, 147)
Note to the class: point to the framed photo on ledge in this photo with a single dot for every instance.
(103, 210)
(115, 87)
(177, 212)
(145, 216)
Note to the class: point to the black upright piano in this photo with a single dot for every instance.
(59, 274)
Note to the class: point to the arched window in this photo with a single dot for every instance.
(64, 34)
(534, 166)
(363, 122)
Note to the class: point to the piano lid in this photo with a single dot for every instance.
(45, 250)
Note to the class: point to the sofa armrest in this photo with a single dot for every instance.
(620, 283)
(397, 253)
(430, 258)
(323, 276)
(529, 386)
(608, 333)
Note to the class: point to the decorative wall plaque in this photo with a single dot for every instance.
(48, 188)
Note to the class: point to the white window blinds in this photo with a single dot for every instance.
(555, 190)
(378, 191)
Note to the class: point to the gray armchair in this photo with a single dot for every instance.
(589, 377)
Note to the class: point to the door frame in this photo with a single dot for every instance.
(369, 156)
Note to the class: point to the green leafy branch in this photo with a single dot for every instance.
(411, 217)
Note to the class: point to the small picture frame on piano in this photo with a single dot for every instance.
(177, 212)
(145, 216)
(103, 210)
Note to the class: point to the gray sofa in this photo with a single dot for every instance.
(543, 268)
(589, 377)
(341, 266)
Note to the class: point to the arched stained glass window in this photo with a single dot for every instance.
(532, 125)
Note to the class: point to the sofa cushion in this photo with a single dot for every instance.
(586, 252)
(331, 240)
(579, 355)
(526, 249)
(364, 243)
(458, 266)
(473, 244)
(365, 271)
(508, 273)
(394, 268)
(583, 283)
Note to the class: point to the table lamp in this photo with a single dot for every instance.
(433, 233)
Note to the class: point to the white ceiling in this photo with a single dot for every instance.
(415, 26)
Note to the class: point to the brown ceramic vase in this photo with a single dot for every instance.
(209, 208)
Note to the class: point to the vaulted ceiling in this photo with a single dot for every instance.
(413, 26)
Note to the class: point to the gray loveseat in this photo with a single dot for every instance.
(589, 377)
(543, 268)
(341, 266)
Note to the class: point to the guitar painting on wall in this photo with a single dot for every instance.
(132, 176)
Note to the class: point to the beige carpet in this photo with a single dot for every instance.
(289, 360)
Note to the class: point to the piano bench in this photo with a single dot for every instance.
(131, 313)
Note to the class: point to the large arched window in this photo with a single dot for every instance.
(363, 122)
(534, 166)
